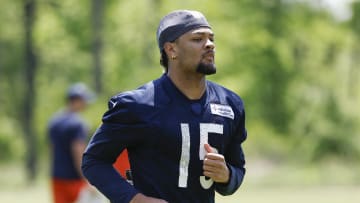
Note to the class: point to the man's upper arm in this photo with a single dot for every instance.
(109, 140)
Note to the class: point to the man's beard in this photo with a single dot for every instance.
(206, 69)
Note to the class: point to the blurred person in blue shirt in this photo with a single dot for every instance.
(68, 133)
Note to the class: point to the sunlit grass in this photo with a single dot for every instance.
(312, 194)
(264, 182)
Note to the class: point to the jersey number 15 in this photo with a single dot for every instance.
(205, 129)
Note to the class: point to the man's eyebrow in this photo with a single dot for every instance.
(204, 33)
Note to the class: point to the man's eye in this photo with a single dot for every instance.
(197, 39)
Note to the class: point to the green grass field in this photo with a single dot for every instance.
(257, 188)
(334, 194)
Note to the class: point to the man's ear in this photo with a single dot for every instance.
(170, 49)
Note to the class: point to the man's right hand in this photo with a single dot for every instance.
(140, 198)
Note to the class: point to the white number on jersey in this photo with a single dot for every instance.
(205, 129)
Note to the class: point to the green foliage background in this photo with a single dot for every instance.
(295, 66)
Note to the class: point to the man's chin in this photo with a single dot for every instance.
(206, 69)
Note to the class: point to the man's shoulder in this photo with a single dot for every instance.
(225, 101)
(223, 93)
(131, 105)
(143, 95)
(57, 118)
(66, 120)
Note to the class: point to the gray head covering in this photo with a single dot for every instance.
(80, 90)
(178, 23)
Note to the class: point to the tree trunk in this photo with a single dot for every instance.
(97, 16)
(1, 78)
(29, 91)
(354, 67)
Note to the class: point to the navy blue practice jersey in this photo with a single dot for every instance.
(63, 129)
(165, 133)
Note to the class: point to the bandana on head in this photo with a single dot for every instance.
(178, 23)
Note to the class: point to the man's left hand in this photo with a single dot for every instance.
(215, 166)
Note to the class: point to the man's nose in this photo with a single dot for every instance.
(209, 44)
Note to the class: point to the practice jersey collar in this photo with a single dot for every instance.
(174, 93)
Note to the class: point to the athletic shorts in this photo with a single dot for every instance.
(66, 191)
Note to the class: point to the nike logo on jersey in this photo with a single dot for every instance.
(222, 110)
(113, 103)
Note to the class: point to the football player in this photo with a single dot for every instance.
(183, 133)
(68, 133)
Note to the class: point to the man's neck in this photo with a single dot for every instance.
(73, 107)
(193, 86)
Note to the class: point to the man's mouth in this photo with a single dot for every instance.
(209, 55)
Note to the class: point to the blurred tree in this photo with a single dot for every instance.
(11, 70)
(27, 117)
(354, 68)
(322, 124)
(148, 24)
(295, 67)
(267, 29)
(1, 74)
(97, 43)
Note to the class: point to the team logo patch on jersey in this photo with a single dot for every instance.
(222, 110)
